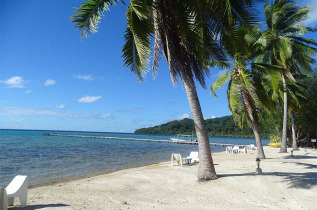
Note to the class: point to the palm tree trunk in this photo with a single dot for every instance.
(250, 108)
(206, 169)
(255, 128)
(284, 140)
(293, 131)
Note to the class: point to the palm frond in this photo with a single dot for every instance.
(235, 103)
(136, 50)
(304, 40)
(300, 15)
(249, 87)
(90, 14)
(297, 29)
(141, 8)
(220, 64)
(220, 82)
(271, 76)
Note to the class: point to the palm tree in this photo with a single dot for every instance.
(282, 44)
(296, 91)
(185, 32)
(242, 95)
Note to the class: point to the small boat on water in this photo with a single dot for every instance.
(182, 138)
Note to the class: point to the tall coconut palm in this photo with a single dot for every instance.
(242, 95)
(268, 77)
(185, 32)
(282, 45)
(296, 92)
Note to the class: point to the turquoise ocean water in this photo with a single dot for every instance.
(49, 158)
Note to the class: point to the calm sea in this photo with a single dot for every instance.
(49, 158)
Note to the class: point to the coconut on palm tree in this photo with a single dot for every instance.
(185, 32)
(282, 44)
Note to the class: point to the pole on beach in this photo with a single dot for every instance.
(258, 169)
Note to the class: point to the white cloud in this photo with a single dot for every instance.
(312, 15)
(186, 115)
(105, 115)
(16, 120)
(209, 117)
(19, 111)
(89, 99)
(14, 82)
(50, 82)
(28, 91)
(62, 106)
(85, 77)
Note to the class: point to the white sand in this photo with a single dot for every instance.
(286, 183)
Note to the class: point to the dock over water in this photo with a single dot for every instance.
(134, 139)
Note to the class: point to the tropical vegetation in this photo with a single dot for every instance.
(283, 47)
(280, 55)
(222, 126)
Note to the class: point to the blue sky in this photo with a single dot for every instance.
(51, 79)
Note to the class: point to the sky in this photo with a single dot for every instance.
(50, 79)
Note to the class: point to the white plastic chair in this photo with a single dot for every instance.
(243, 150)
(235, 149)
(178, 158)
(229, 149)
(252, 147)
(194, 157)
(18, 187)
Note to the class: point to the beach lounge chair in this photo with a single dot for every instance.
(194, 157)
(18, 187)
(243, 150)
(252, 147)
(178, 158)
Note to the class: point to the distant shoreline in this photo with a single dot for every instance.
(109, 132)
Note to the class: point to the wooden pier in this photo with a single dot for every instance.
(134, 139)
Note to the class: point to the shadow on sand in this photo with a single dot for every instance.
(296, 180)
(33, 207)
(300, 157)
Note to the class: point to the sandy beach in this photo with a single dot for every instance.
(286, 183)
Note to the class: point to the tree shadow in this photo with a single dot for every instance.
(300, 157)
(306, 165)
(295, 180)
(33, 207)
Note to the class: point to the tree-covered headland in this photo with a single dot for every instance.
(222, 126)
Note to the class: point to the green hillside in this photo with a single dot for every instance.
(222, 126)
